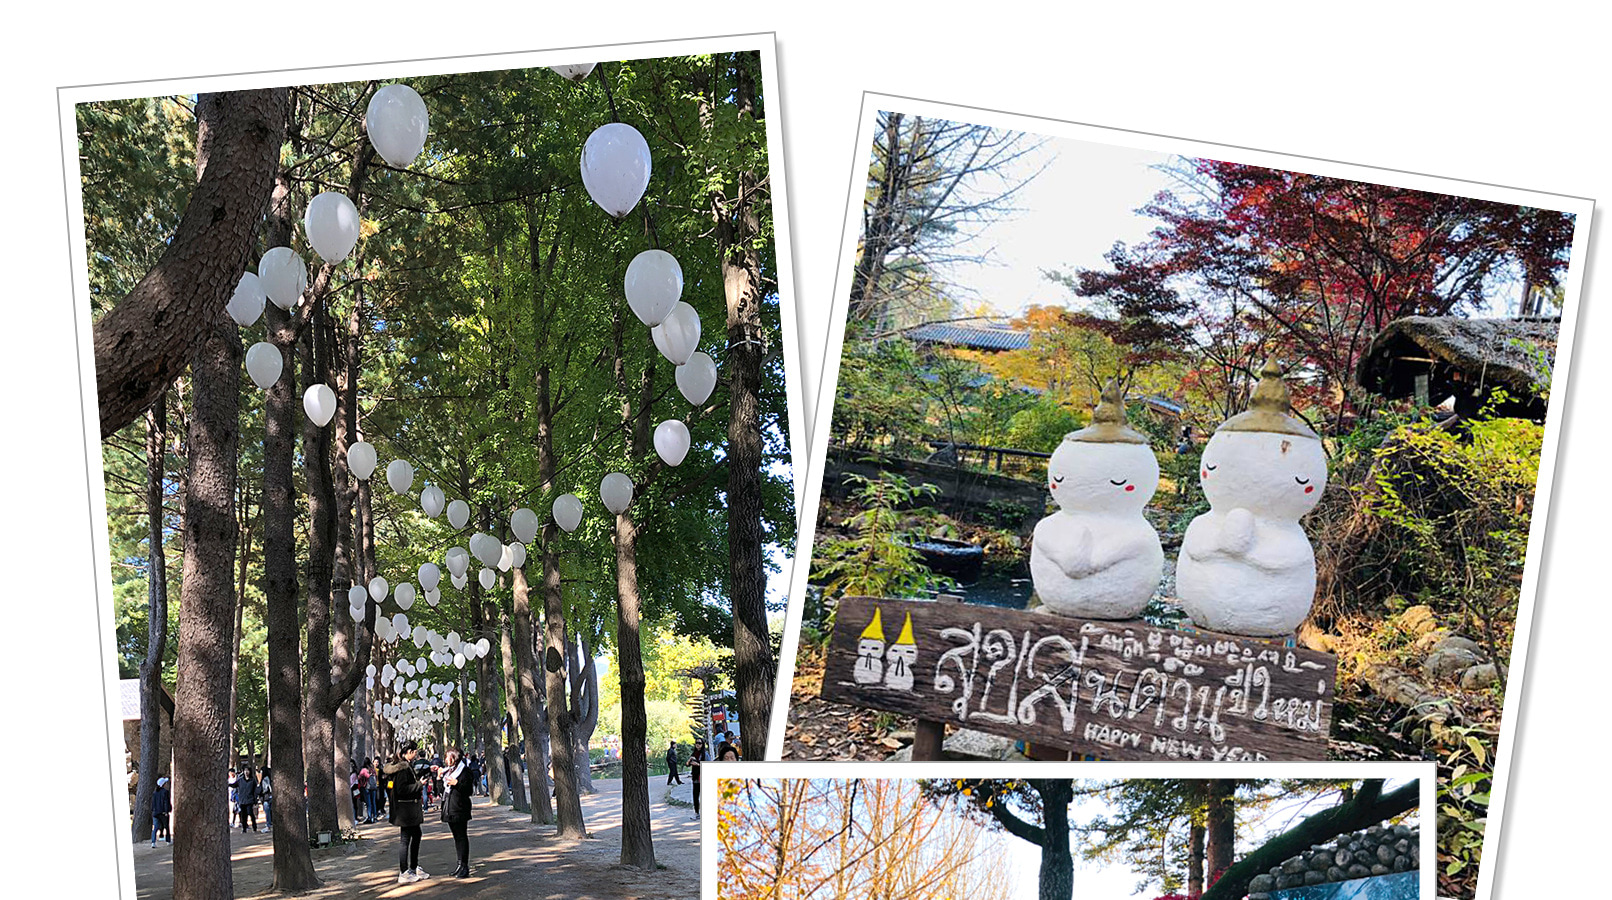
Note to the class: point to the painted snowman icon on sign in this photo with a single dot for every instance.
(899, 659)
(870, 653)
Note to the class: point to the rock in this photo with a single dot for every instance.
(1456, 642)
(1385, 855)
(1402, 830)
(1343, 857)
(1358, 871)
(1293, 866)
(1319, 862)
(1337, 874)
(1448, 663)
(1402, 845)
(976, 745)
(1479, 677)
(1404, 863)
(1381, 869)
(902, 755)
(1260, 884)
(1314, 877)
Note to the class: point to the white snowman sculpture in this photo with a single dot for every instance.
(1246, 566)
(1097, 557)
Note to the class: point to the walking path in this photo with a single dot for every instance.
(509, 858)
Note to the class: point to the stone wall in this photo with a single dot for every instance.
(1378, 850)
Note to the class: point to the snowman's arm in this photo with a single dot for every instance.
(1280, 553)
(1121, 551)
(1072, 556)
(1231, 536)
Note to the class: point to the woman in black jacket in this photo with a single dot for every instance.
(407, 813)
(246, 799)
(459, 781)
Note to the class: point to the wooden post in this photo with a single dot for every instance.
(927, 739)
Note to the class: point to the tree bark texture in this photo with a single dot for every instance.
(1220, 827)
(146, 340)
(201, 859)
(157, 626)
(529, 701)
(1057, 873)
(585, 709)
(318, 737)
(512, 712)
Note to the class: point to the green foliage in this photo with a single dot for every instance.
(1042, 426)
(668, 721)
(878, 559)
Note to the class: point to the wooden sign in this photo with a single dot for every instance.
(1117, 690)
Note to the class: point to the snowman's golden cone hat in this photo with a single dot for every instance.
(875, 629)
(1108, 424)
(906, 632)
(1268, 409)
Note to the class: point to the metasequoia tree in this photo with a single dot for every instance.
(157, 633)
(149, 336)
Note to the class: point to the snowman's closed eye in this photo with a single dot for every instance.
(1058, 478)
(1119, 482)
(1209, 467)
(1301, 480)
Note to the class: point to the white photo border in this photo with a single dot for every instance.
(1581, 208)
(68, 97)
(1425, 772)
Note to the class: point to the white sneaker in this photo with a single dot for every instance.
(421, 874)
(405, 878)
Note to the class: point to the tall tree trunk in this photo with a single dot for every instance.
(1057, 873)
(482, 613)
(293, 861)
(567, 799)
(145, 341)
(637, 848)
(157, 624)
(585, 707)
(245, 551)
(201, 865)
(351, 640)
(512, 713)
(1195, 839)
(318, 735)
(529, 702)
(1220, 844)
(738, 223)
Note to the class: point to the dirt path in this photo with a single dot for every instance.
(509, 858)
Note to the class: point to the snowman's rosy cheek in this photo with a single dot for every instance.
(1130, 487)
(1309, 488)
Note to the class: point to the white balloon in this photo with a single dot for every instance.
(429, 575)
(458, 513)
(506, 558)
(419, 637)
(483, 646)
(246, 304)
(615, 167)
(361, 459)
(678, 334)
(400, 622)
(389, 672)
(671, 441)
(616, 492)
(488, 578)
(697, 378)
(567, 511)
(432, 500)
(517, 554)
(406, 667)
(458, 560)
(400, 475)
(460, 580)
(433, 597)
(411, 687)
(574, 72)
(419, 664)
(459, 660)
(264, 364)
(332, 224)
(524, 523)
(383, 630)
(653, 285)
(356, 595)
(404, 595)
(454, 640)
(378, 588)
(284, 276)
(397, 123)
(369, 669)
(319, 402)
(486, 548)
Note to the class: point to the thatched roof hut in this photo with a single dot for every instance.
(1433, 358)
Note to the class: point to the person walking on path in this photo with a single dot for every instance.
(366, 780)
(695, 758)
(234, 796)
(671, 764)
(355, 789)
(457, 785)
(407, 814)
(265, 792)
(246, 799)
(161, 805)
